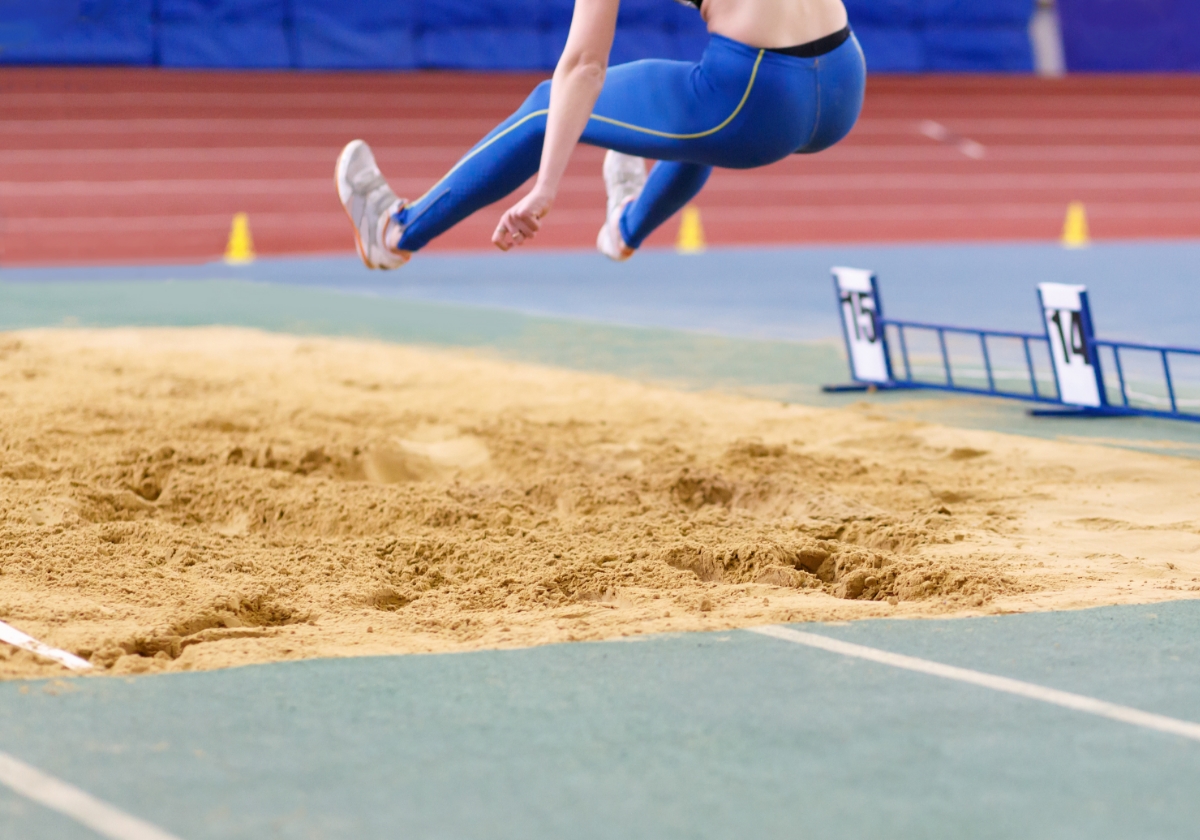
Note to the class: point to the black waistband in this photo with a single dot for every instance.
(815, 48)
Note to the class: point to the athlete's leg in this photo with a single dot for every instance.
(736, 108)
(739, 107)
(666, 110)
(497, 165)
(670, 185)
(836, 83)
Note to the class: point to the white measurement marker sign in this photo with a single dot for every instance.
(859, 301)
(1069, 331)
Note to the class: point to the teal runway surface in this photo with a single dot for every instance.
(761, 322)
(719, 735)
(1140, 291)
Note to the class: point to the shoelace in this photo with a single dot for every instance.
(368, 180)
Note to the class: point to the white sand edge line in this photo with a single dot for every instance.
(16, 638)
(1066, 699)
(69, 800)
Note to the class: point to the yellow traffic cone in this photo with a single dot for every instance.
(240, 249)
(691, 232)
(1075, 228)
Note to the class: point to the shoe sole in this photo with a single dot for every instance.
(339, 177)
(608, 185)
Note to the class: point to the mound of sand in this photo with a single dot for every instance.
(176, 499)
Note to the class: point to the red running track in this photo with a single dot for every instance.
(151, 165)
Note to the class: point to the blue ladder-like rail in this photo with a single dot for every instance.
(993, 390)
(1036, 391)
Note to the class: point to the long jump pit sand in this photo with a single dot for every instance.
(177, 499)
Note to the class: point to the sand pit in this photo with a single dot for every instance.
(176, 499)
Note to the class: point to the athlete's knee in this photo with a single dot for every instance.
(685, 176)
(539, 99)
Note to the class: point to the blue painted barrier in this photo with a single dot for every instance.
(1130, 35)
(897, 35)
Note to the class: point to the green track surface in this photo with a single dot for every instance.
(721, 735)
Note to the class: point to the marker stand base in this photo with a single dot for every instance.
(867, 387)
(1080, 412)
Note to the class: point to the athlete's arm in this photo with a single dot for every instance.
(578, 79)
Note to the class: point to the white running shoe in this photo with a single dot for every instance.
(370, 204)
(624, 177)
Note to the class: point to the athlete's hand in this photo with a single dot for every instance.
(521, 222)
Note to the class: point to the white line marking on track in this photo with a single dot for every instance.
(82, 807)
(16, 638)
(937, 131)
(1066, 699)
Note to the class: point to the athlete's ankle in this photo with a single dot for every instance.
(393, 233)
(611, 239)
(626, 249)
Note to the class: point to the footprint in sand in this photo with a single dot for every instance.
(403, 460)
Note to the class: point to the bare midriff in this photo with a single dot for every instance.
(774, 23)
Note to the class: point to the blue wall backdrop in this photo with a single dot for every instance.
(1101, 35)
(897, 35)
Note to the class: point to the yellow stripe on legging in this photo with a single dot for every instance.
(479, 149)
(698, 134)
(610, 121)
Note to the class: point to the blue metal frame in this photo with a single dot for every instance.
(1089, 345)
(1092, 347)
(1164, 352)
(910, 382)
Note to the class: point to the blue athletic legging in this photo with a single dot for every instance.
(738, 107)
